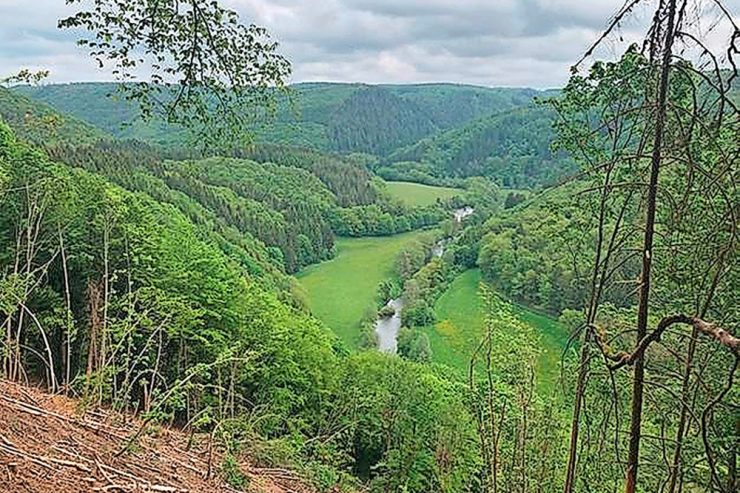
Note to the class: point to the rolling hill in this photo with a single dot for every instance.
(512, 147)
(37, 122)
(326, 116)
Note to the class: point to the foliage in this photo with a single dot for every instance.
(293, 207)
(513, 148)
(656, 139)
(384, 219)
(533, 253)
(409, 426)
(349, 180)
(519, 432)
(208, 72)
(375, 121)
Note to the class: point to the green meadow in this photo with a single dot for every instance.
(460, 324)
(416, 194)
(340, 290)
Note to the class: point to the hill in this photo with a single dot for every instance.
(272, 208)
(327, 116)
(452, 105)
(37, 122)
(512, 147)
(431, 133)
(375, 121)
(47, 445)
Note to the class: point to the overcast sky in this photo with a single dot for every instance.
(486, 42)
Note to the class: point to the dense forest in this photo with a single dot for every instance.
(512, 148)
(498, 133)
(328, 117)
(156, 278)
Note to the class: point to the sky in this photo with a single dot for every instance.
(528, 43)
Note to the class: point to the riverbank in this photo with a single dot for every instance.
(340, 291)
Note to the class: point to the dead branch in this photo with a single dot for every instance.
(709, 329)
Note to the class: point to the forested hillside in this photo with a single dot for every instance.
(560, 317)
(291, 210)
(337, 117)
(40, 123)
(283, 204)
(452, 105)
(512, 148)
(538, 252)
(375, 121)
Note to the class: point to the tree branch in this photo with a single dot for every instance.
(709, 329)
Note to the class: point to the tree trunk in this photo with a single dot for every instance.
(642, 311)
(676, 462)
(93, 349)
(570, 475)
(68, 315)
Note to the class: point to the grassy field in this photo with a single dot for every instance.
(416, 194)
(340, 290)
(460, 324)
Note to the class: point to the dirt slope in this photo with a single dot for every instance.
(48, 447)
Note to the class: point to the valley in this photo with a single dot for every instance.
(344, 294)
(253, 283)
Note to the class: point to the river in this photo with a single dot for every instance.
(387, 327)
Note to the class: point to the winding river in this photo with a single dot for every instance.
(387, 327)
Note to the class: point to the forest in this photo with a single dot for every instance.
(564, 262)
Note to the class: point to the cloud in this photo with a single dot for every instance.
(490, 42)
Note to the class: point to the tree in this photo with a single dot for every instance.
(652, 136)
(208, 72)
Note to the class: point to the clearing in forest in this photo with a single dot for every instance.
(418, 195)
(51, 444)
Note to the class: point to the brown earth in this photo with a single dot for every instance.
(47, 446)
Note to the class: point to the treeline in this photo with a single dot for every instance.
(322, 116)
(384, 219)
(538, 251)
